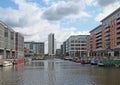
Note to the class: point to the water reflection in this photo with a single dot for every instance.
(105, 76)
(58, 72)
(38, 63)
(11, 75)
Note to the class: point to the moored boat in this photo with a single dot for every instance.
(85, 61)
(100, 63)
(7, 63)
(18, 61)
(94, 62)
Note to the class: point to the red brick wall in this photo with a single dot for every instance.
(94, 42)
(113, 33)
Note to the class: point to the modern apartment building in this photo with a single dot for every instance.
(51, 45)
(8, 42)
(105, 39)
(19, 45)
(35, 48)
(76, 46)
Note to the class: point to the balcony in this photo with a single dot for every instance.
(107, 30)
(118, 40)
(99, 42)
(118, 35)
(107, 34)
(118, 18)
(99, 32)
(98, 35)
(98, 49)
(107, 38)
(118, 26)
(100, 38)
(118, 21)
(118, 46)
(118, 31)
(118, 43)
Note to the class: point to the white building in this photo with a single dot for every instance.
(19, 45)
(11, 43)
(51, 45)
(76, 46)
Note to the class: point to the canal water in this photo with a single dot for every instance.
(58, 72)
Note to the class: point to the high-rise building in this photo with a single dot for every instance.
(51, 45)
(35, 48)
(105, 39)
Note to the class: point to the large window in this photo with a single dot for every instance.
(12, 35)
(6, 32)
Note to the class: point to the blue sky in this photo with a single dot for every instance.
(35, 19)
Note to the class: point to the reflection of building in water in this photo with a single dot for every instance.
(37, 63)
(51, 66)
(51, 73)
(11, 75)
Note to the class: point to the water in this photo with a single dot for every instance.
(58, 72)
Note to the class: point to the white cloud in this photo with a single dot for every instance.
(47, 1)
(27, 20)
(64, 9)
(107, 2)
(107, 10)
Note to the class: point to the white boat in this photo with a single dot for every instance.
(7, 63)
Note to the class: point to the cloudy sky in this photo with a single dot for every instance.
(35, 19)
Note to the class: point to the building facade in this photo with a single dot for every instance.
(19, 45)
(8, 42)
(51, 45)
(64, 48)
(58, 53)
(105, 39)
(34, 48)
(76, 46)
(61, 48)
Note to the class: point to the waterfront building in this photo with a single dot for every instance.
(76, 46)
(34, 48)
(11, 43)
(105, 39)
(51, 45)
(7, 41)
(19, 45)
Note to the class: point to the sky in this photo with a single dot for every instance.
(35, 19)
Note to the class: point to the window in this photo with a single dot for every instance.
(12, 35)
(6, 32)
